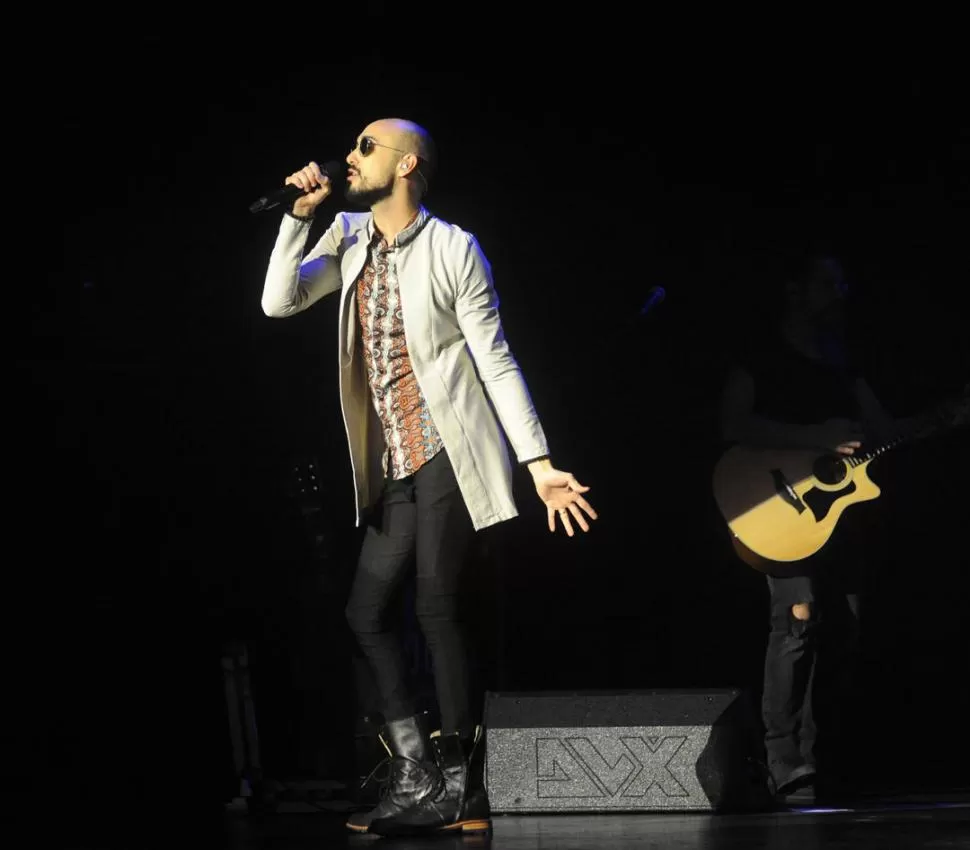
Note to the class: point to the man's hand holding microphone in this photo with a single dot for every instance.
(315, 183)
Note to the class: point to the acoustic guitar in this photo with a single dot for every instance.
(782, 505)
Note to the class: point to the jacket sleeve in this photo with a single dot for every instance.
(294, 281)
(476, 306)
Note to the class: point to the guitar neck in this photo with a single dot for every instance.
(864, 457)
(949, 415)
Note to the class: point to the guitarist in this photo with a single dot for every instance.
(797, 387)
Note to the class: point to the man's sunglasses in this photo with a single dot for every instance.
(366, 147)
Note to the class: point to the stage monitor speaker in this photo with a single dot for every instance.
(582, 751)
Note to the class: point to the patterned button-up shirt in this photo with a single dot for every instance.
(410, 435)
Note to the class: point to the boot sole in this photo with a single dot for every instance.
(468, 826)
(354, 828)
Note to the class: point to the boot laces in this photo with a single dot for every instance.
(402, 762)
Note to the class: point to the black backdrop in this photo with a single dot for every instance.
(165, 411)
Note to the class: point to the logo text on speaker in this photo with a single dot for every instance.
(622, 767)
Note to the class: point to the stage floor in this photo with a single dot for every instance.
(940, 822)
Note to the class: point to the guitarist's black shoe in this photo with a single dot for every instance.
(795, 787)
(795, 777)
(803, 795)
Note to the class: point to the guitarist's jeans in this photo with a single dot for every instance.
(808, 665)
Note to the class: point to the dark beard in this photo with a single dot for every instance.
(368, 197)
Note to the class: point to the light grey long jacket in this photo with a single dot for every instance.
(461, 360)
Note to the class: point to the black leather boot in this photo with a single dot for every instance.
(412, 775)
(458, 803)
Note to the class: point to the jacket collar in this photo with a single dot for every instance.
(414, 227)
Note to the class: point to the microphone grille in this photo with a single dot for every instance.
(334, 169)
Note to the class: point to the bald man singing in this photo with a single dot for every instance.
(428, 386)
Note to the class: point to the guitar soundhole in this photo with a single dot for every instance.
(829, 470)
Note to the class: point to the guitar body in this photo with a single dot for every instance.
(782, 506)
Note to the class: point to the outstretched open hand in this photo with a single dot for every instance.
(562, 495)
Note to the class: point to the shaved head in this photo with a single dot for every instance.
(415, 137)
(410, 137)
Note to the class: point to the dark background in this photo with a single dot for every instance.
(164, 411)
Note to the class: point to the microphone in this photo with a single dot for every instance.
(655, 295)
(334, 169)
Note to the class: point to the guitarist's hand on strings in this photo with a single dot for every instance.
(842, 436)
